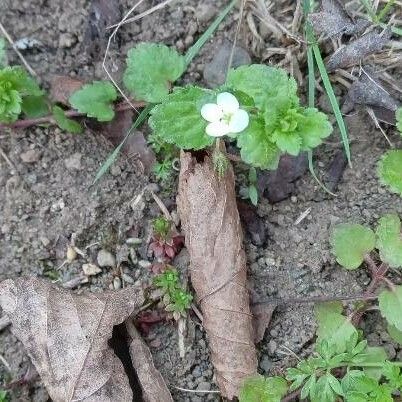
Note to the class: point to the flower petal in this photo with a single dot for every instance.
(211, 112)
(217, 129)
(239, 121)
(227, 102)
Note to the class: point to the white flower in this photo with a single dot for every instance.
(224, 116)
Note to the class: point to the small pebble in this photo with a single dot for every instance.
(73, 162)
(90, 269)
(116, 283)
(127, 278)
(144, 264)
(106, 259)
(204, 386)
(134, 241)
(30, 156)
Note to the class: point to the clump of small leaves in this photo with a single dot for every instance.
(175, 298)
(258, 107)
(353, 244)
(18, 93)
(250, 192)
(343, 367)
(3, 396)
(390, 165)
(166, 242)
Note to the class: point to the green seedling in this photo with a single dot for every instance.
(166, 242)
(343, 367)
(353, 244)
(390, 165)
(251, 191)
(3, 396)
(176, 300)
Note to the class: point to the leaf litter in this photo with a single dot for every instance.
(66, 335)
(218, 272)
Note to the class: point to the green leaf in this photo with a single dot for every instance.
(177, 120)
(3, 53)
(399, 120)
(308, 387)
(389, 241)
(393, 374)
(256, 146)
(35, 106)
(390, 303)
(264, 83)
(15, 85)
(350, 243)
(95, 100)
(394, 333)
(334, 327)
(263, 389)
(323, 391)
(351, 379)
(372, 354)
(151, 68)
(390, 170)
(65, 123)
(253, 194)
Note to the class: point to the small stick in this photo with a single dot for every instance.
(69, 113)
(4, 155)
(22, 58)
(316, 299)
(195, 391)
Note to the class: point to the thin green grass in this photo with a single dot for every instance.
(312, 44)
(189, 56)
(311, 89)
(377, 19)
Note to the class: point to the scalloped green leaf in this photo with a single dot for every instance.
(35, 106)
(257, 147)
(64, 122)
(399, 120)
(394, 333)
(389, 240)
(333, 326)
(15, 86)
(177, 120)
(264, 83)
(95, 100)
(390, 304)
(390, 170)
(151, 69)
(350, 243)
(266, 389)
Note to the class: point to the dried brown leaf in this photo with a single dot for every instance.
(368, 91)
(214, 238)
(357, 50)
(262, 317)
(62, 87)
(66, 335)
(153, 385)
(334, 21)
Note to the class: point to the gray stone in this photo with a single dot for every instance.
(30, 156)
(205, 12)
(197, 372)
(73, 162)
(144, 264)
(266, 364)
(204, 386)
(106, 259)
(215, 71)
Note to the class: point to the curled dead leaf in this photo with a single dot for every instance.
(214, 238)
(355, 51)
(66, 335)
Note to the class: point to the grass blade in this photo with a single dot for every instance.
(194, 50)
(307, 6)
(113, 156)
(332, 99)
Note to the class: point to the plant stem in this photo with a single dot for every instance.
(68, 113)
(317, 299)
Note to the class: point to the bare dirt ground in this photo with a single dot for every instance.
(47, 197)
